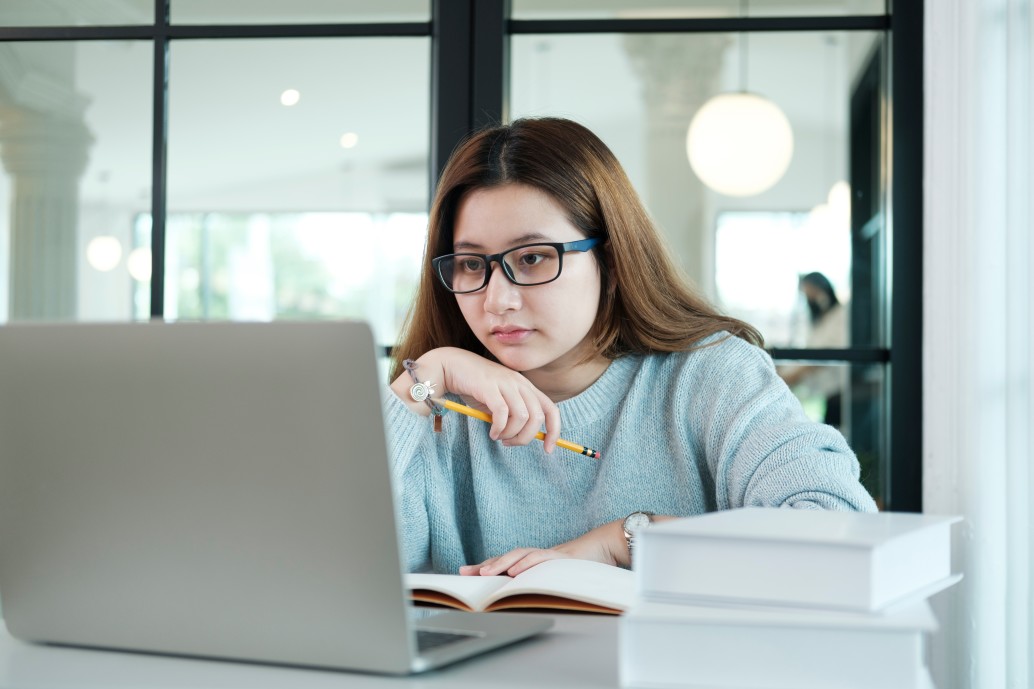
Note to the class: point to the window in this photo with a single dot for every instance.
(314, 266)
(760, 258)
(268, 180)
(287, 133)
(639, 81)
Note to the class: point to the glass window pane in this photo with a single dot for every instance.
(294, 175)
(75, 142)
(698, 9)
(852, 398)
(298, 11)
(788, 274)
(264, 266)
(745, 250)
(75, 12)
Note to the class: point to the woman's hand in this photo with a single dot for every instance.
(519, 409)
(605, 543)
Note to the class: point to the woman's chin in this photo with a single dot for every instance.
(517, 360)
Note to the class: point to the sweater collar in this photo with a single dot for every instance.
(603, 396)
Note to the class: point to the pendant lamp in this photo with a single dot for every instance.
(740, 143)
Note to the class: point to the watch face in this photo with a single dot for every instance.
(636, 521)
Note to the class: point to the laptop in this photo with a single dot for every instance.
(219, 490)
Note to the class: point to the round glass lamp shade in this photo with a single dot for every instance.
(739, 144)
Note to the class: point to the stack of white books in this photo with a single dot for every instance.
(759, 598)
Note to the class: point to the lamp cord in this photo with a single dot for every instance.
(743, 48)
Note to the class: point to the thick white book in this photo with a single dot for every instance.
(576, 585)
(667, 645)
(806, 558)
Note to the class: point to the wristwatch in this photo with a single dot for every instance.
(634, 522)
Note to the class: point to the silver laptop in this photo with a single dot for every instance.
(217, 490)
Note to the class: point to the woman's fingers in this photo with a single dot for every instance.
(509, 413)
(512, 563)
(519, 410)
(551, 414)
(496, 565)
(529, 422)
(533, 558)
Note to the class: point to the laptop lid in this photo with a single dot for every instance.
(206, 489)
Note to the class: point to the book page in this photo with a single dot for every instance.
(578, 580)
(469, 591)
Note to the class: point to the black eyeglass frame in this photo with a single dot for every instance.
(561, 249)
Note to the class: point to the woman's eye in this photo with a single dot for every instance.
(530, 260)
(471, 265)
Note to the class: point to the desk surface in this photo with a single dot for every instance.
(580, 651)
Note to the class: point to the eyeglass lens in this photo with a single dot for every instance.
(526, 265)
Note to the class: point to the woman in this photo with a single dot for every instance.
(828, 331)
(601, 341)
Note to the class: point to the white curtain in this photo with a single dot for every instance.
(978, 333)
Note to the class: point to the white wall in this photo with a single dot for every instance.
(978, 329)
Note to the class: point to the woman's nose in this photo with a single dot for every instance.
(501, 295)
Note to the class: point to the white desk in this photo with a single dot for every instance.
(579, 652)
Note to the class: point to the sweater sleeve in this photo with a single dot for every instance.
(407, 437)
(761, 447)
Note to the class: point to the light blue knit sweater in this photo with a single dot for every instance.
(679, 434)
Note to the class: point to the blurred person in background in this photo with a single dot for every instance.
(828, 330)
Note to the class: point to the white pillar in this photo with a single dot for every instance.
(45, 157)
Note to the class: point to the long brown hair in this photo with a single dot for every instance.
(646, 304)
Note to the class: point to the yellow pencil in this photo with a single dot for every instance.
(478, 414)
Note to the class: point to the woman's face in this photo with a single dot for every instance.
(815, 296)
(527, 328)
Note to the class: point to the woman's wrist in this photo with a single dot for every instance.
(619, 544)
(422, 379)
(611, 536)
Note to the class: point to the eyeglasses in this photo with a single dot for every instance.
(531, 264)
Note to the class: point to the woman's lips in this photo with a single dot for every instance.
(511, 335)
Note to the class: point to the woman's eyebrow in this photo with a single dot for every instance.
(529, 238)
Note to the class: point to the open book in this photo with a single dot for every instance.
(577, 585)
